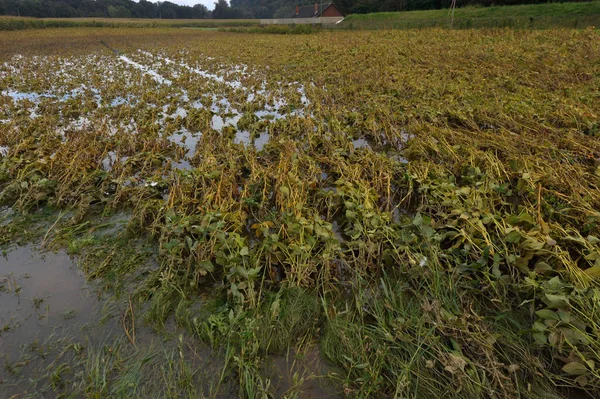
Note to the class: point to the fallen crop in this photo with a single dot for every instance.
(420, 205)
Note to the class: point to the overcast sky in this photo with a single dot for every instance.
(208, 3)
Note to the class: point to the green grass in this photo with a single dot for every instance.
(68, 366)
(275, 29)
(20, 23)
(535, 16)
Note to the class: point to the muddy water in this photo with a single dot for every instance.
(41, 295)
(305, 373)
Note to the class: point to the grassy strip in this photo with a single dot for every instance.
(17, 23)
(277, 29)
(534, 16)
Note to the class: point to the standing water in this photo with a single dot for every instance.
(41, 293)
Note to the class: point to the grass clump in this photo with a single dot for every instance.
(278, 29)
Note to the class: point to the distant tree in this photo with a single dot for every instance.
(223, 11)
(201, 11)
(118, 12)
(29, 8)
(63, 10)
(167, 10)
(101, 8)
(150, 9)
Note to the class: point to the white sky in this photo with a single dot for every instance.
(208, 3)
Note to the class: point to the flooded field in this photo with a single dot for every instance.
(339, 214)
(234, 98)
(53, 321)
(44, 302)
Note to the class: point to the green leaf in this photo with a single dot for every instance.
(540, 339)
(582, 380)
(574, 368)
(464, 190)
(513, 237)
(547, 314)
(253, 273)
(275, 308)
(206, 266)
(527, 218)
(418, 220)
(532, 244)
(564, 316)
(427, 231)
(213, 175)
(537, 326)
(542, 267)
(556, 301)
(593, 271)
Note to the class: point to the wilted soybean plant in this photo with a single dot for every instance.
(421, 206)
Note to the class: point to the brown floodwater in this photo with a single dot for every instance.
(41, 294)
(302, 372)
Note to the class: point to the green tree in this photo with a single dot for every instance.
(118, 12)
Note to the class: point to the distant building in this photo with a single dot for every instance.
(326, 14)
(317, 11)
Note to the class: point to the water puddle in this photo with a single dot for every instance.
(244, 137)
(180, 165)
(360, 143)
(186, 138)
(37, 97)
(118, 101)
(235, 84)
(273, 105)
(41, 293)
(219, 122)
(146, 70)
(82, 91)
(30, 96)
(399, 158)
(304, 374)
(111, 160)
(262, 140)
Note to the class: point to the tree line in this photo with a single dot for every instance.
(222, 9)
(101, 9)
(284, 8)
